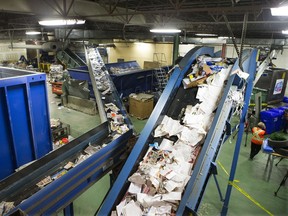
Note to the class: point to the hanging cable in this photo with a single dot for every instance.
(243, 36)
(231, 34)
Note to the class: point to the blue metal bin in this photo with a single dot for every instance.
(24, 119)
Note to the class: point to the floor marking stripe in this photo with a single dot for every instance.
(243, 191)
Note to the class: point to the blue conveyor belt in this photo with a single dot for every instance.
(214, 139)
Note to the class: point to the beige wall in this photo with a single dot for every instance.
(141, 52)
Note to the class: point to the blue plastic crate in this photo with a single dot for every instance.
(280, 121)
(270, 119)
(283, 108)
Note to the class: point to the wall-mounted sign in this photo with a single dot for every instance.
(278, 86)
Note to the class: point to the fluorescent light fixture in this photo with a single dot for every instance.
(280, 11)
(165, 31)
(221, 37)
(206, 35)
(61, 22)
(284, 31)
(33, 32)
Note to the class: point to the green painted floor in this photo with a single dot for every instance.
(255, 195)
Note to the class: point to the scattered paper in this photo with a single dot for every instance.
(169, 127)
(137, 179)
(44, 182)
(166, 145)
(160, 210)
(132, 209)
(171, 185)
(134, 188)
(119, 208)
(191, 136)
(241, 74)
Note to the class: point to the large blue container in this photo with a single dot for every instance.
(125, 83)
(24, 119)
(270, 119)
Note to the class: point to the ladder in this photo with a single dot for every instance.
(160, 58)
(161, 77)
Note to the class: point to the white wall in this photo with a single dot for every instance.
(12, 55)
(230, 51)
(184, 48)
(281, 60)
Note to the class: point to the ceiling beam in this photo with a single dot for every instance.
(239, 9)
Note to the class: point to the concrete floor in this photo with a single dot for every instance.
(255, 196)
(79, 122)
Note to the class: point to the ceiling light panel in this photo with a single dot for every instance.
(167, 31)
(280, 11)
(62, 22)
(33, 32)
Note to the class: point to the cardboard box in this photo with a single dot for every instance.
(190, 84)
(141, 105)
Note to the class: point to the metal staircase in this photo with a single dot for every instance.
(69, 58)
(159, 73)
(161, 77)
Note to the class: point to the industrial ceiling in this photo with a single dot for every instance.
(131, 19)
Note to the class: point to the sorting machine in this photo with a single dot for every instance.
(60, 193)
(171, 102)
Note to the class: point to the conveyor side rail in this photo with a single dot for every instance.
(61, 192)
(30, 175)
(57, 196)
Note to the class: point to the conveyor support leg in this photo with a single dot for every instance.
(68, 211)
(214, 173)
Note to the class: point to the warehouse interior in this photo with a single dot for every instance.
(126, 107)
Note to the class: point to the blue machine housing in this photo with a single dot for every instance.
(24, 119)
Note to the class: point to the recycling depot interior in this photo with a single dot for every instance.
(130, 108)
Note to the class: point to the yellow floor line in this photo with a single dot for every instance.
(243, 191)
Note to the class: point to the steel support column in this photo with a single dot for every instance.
(248, 92)
(175, 47)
